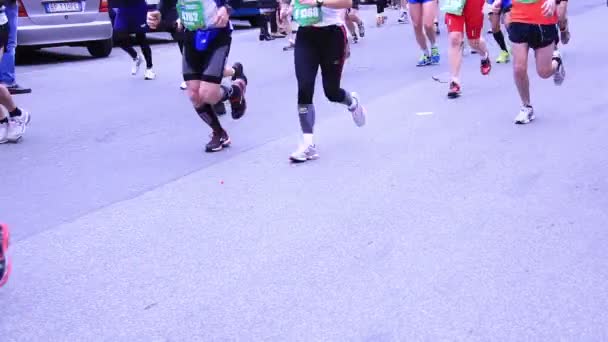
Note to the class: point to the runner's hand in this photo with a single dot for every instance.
(549, 8)
(221, 18)
(153, 19)
(179, 25)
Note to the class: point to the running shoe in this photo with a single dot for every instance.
(435, 57)
(149, 74)
(304, 153)
(424, 60)
(454, 91)
(218, 142)
(403, 18)
(361, 29)
(355, 39)
(239, 72)
(289, 46)
(238, 103)
(357, 110)
(560, 73)
(136, 64)
(220, 108)
(525, 115)
(18, 125)
(4, 132)
(503, 57)
(5, 262)
(486, 66)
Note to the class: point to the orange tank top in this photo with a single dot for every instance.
(531, 12)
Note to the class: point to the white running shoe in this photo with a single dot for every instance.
(304, 153)
(17, 126)
(358, 111)
(136, 64)
(3, 132)
(183, 86)
(149, 74)
(525, 116)
(560, 73)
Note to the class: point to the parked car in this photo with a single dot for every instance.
(249, 10)
(46, 23)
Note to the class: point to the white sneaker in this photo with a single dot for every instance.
(17, 126)
(183, 86)
(149, 74)
(526, 115)
(358, 111)
(3, 133)
(136, 64)
(560, 73)
(304, 153)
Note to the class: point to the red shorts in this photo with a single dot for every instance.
(472, 17)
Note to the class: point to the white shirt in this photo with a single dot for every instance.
(330, 17)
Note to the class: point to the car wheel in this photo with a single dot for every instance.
(100, 48)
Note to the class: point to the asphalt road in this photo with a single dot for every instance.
(453, 225)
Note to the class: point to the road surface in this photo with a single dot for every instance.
(452, 225)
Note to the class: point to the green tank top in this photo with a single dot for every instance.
(306, 15)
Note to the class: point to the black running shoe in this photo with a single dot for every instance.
(239, 72)
(220, 108)
(238, 103)
(218, 142)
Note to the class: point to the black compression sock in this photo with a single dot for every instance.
(500, 39)
(16, 112)
(208, 115)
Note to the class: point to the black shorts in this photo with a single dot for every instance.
(536, 36)
(207, 65)
(4, 37)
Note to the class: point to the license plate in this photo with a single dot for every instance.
(63, 7)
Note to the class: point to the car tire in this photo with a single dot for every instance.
(100, 48)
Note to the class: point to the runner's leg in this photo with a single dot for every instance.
(416, 14)
(429, 14)
(455, 25)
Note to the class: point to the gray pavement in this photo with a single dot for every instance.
(456, 225)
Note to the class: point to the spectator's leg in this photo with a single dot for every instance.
(7, 64)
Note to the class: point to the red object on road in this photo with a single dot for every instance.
(5, 262)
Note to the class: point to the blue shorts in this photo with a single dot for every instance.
(418, 1)
(131, 19)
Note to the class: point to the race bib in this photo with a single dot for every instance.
(192, 14)
(306, 15)
(453, 6)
